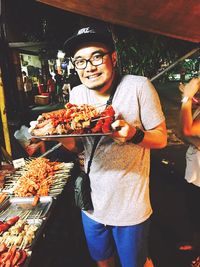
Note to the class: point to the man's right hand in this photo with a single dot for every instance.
(70, 143)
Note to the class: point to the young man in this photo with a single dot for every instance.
(119, 174)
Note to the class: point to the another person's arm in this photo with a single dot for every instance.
(72, 144)
(189, 127)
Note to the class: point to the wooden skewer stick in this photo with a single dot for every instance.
(100, 118)
(100, 105)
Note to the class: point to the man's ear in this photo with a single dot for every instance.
(114, 58)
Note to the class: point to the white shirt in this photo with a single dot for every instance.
(119, 174)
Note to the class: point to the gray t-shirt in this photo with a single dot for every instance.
(119, 174)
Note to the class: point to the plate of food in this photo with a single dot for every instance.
(71, 135)
(73, 121)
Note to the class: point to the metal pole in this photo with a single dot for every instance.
(51, 150)
(193, 51)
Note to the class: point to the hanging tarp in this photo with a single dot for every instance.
(178, 19)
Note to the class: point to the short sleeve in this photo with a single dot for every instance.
(150, 106)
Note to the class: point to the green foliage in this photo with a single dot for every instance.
(146, 54)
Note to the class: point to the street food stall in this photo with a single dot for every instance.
(26, 200)
(25, 205)
(29, 190)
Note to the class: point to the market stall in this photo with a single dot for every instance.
(30, 188)
(27, 197)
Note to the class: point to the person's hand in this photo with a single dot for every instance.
(181, 87)
(122, 131)
(65, 141)
(71, 143)
(191, 88)
(53, 139)
(31, 149)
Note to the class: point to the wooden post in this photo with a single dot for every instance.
(4, 118)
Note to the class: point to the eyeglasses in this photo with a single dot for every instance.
(95, 60)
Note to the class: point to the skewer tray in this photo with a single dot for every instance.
(21, 206)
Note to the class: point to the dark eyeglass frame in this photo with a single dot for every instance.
(89, 60)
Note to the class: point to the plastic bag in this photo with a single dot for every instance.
(23, 136)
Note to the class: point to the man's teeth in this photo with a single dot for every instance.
(93, 76)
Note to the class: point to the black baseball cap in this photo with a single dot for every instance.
(87, 34)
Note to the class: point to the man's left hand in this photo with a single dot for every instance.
(122, 131)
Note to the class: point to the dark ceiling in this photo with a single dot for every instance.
(31, 25)
(178, 19)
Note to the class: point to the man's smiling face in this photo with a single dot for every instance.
(96, 77)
